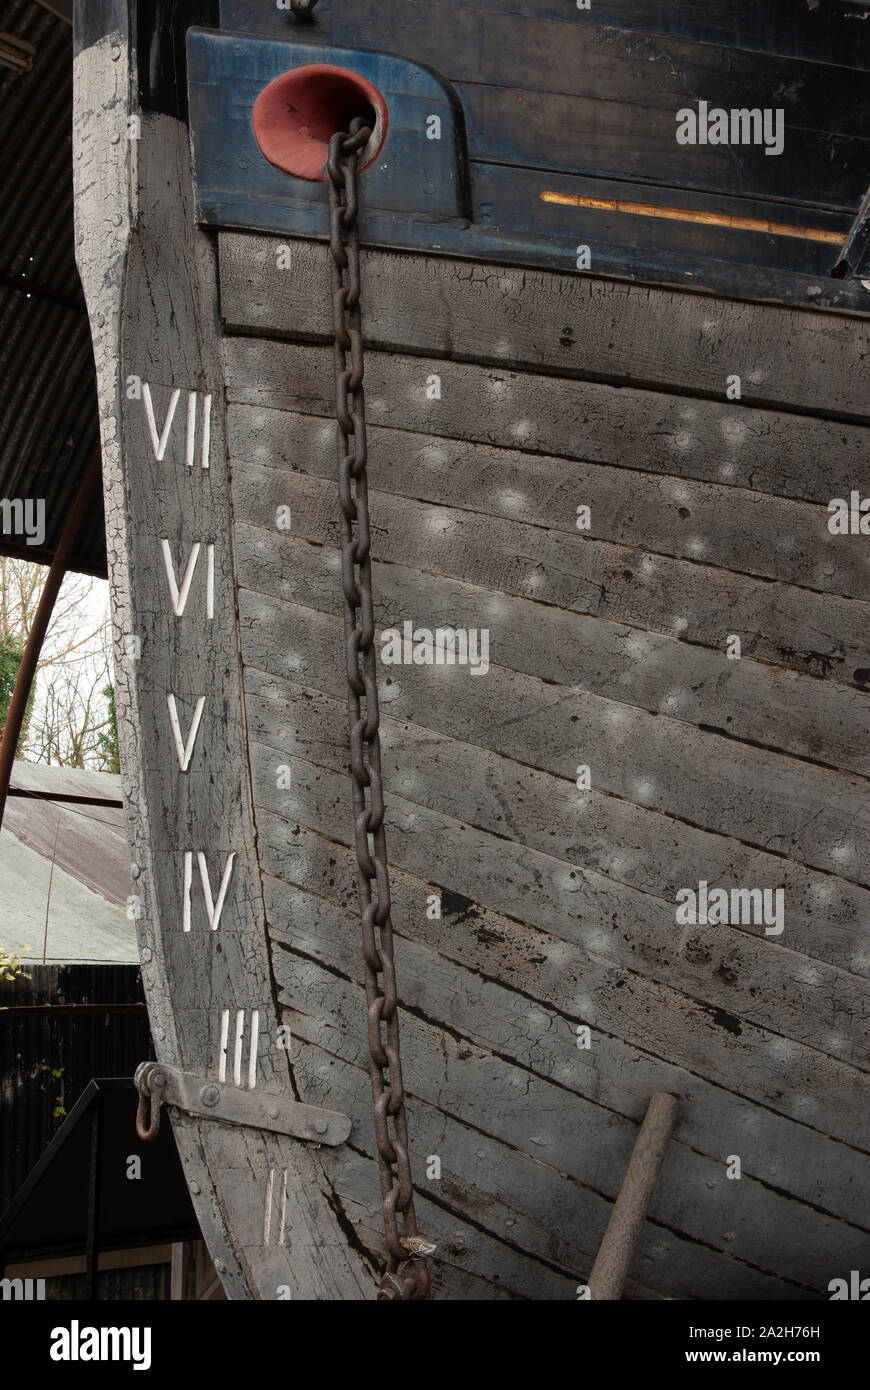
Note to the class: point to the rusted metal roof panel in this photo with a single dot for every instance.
(48, 406)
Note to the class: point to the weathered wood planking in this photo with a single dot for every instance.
(622, 140)
(779, 804)
(768, 985)
(484, 1258)
(764, 537)
(824, 35)
(744, 699)
(553, 1214)
(568, 325)
(826, 916)
(790, 1099)
(573, 1139)
(732, 444)
(150, 281)
(496, 47)
(779, 624)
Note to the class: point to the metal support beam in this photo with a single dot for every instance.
(614, 1258)
(79, 515)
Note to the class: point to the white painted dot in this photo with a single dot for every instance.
(503, 348)
(644, 791)
(673, 701)
(843, 853)
(512, 501)
(637, 645)
(697, 546)
(682, 441)
(522, 429)
(617, 716)
(434, 453)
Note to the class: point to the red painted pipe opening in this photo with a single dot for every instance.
(296, 115)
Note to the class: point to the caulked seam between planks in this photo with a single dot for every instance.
(655, 480)
(783, 758)
(338, 765)
(611, 628)
(236, 283)
(444, 425)
(681, 1073)
(515, 1063)
(465, 1123)
(764, 1029)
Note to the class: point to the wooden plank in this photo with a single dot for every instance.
(471, 1262)
(782, 1102)
(620, 140)
(506, 196)
(525, 1114)
(495, 46)
(828, 34)
(777, 804)
(500, 1190)
(744, 699)
(733, 445)
(730, 528)
(569, 325)
(765, 983)
(779, 624)
(150, 281)
(826, 916)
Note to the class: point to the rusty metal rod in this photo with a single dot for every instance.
(614, 1258)
(36, 636)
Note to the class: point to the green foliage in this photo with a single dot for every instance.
(109, 740)
(11, 967)
(11, 652)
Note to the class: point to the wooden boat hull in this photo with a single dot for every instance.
(548, 986)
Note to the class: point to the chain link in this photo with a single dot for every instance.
(406, 1275)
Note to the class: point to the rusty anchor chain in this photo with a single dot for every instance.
(406, 1276)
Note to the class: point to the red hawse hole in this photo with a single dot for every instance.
(297, 114)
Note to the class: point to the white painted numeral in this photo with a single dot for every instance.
(238, 1047)
(276, 1206)
(180, 596)
(160, 440)
(213, 909)
(182, 748)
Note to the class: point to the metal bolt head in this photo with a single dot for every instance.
(195, 1188)
(273, 1112)
(321, 1126)
(145, 954)
(210, 1094)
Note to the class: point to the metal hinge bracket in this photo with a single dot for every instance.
(212, 1100)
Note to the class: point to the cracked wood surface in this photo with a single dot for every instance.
(149, 278)
(570, 325)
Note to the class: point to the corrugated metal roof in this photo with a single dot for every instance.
(78, 907)
(48, 402)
